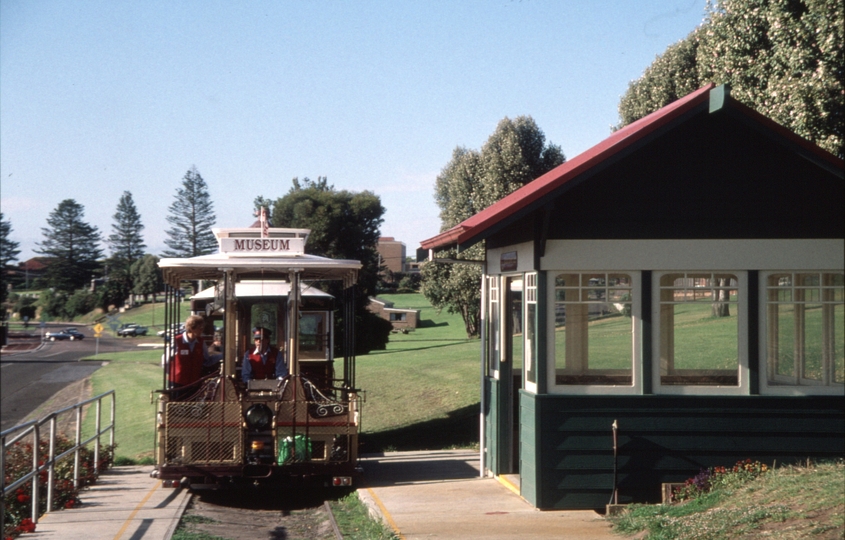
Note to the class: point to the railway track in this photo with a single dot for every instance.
(289, 513)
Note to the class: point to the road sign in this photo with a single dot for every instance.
(98, 328)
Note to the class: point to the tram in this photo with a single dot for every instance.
(302, 426)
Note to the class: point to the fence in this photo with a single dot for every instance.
(35, 428)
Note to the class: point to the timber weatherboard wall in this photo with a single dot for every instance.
(670, 439)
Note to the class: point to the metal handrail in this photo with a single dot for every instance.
(34, 427)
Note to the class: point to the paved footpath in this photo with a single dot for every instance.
(124, 504)
(440, 495)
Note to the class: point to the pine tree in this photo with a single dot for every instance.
(73, 246)
(126, 243)
(191, 219)
(8, 252)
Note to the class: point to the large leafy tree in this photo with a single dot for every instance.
(191, 216)
(344, 225)
(126, 243)
(514, 155)
(8, 252)
(784, 58)
(73, 247)
(146, 277)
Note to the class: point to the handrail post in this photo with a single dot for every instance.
(97, 440)
(113, 405)
(36, 442)
(51, 468)
(76, 445)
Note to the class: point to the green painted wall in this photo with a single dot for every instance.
(664, 439)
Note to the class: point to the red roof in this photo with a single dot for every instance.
(471, 229)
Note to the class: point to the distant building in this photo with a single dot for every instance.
(391, 254)
(398, 317)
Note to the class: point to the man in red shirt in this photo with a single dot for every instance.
(190, 354)
(263, 361)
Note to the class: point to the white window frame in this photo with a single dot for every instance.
(636, 386)
(809, 388)
(742, 339)
(528, 348)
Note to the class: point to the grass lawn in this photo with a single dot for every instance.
(133, 375)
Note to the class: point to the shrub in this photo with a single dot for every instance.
(18, 505)
(719, 477)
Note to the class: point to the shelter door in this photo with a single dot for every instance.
(511, 378)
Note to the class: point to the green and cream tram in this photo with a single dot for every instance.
(301, 426)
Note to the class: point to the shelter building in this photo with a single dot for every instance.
(683, 279)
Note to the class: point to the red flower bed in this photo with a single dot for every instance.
(19, 463)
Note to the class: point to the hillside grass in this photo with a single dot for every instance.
(786, 503)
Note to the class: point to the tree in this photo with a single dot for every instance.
(8, 252)
(782, 58)
(146, 277)
(514, 155)
(344, 225)
(191, 218)
(126, 242)
(73, 246)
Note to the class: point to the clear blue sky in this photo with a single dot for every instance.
(98, 97)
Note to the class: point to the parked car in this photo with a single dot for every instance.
(132, 330)
(56, 336)
(176, 328)
(74, 334)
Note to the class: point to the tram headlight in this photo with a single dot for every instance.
(258, 417)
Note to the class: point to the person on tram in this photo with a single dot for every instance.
(263, 361)
(190, 355)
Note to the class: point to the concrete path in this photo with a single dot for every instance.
(440, 495)
(124, 504)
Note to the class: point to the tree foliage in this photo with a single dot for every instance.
(146, 276)
(514, 155)
(191, 216)
(344, 225)
(73, 247)
(8, 252)
(784, 58)
(126, 243)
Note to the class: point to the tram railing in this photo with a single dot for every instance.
(49, 423)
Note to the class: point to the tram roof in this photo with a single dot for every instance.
(258, 288)
(311, 267)
(255, 254)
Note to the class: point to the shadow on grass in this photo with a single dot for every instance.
(428, 323)
(409, 349)
(458, 430)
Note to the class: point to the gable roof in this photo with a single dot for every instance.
(708, 99)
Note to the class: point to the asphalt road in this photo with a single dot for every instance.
(30, 378)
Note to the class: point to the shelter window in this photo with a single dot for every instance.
(805, 342)
(594, 328)
(397, 317)
(699, 331)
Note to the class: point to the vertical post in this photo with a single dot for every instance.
(76, 446)
(97, 439)
(293, 322)
(482, 448)
(51, 469)
(36, 441)
(615, 497)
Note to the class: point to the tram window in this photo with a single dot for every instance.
(265, 315)
(313, 338)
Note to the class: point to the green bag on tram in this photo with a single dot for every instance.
(294, 449)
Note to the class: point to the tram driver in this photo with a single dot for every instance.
(190, 355)
(263, 361)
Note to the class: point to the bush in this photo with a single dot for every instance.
(18, 505)
(719, 477)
